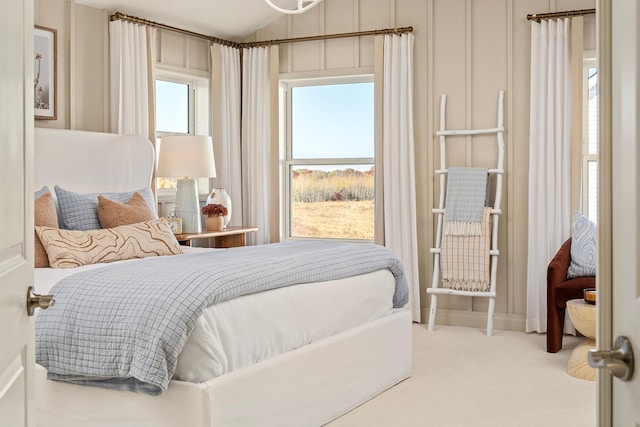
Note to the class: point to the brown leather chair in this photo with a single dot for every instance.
(561, 289)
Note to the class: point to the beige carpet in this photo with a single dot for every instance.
(463, 378)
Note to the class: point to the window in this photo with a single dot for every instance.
(329, 159)
(174, 109)
(590, 138)
(182, 107)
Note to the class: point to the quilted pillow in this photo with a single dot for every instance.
(80, 211)
(44, 215)
(73, 248)
(583, 247)
(114, 214)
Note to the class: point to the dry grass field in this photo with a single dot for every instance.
(340, 219)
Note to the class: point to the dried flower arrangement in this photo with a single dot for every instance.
(214, 210)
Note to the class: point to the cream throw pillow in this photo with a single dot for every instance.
(44, 215)
(73, 248)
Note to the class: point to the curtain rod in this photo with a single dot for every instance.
(123, 17)
(401, 30)
(540, 16)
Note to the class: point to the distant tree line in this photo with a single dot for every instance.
(336, 185)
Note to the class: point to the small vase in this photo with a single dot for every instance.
(215, 223)
(220, 196)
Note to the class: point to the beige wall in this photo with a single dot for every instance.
(83, 61)
(182, 52)
(468, 49)
(89, 69)
(82, 73)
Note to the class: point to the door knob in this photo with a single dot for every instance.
(38, 301)
(618, 360)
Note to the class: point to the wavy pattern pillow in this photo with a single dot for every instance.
(44, 215)
(80, 211)
(73, 248)
(114, 214)
(583, 247)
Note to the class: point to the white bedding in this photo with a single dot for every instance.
(246, 330)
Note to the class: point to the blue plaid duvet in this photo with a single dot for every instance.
(123, 326)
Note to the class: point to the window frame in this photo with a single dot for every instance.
(198, 83)
(287, 162)
(589, 61)
(191, 115)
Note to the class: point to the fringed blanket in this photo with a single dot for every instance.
(464, 260)
(467, 191)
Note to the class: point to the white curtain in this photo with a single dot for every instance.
(400, 230)
(227, 110)
(132, 61)
(258, 82)
(549, 159)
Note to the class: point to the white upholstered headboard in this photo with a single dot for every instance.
(90, 162)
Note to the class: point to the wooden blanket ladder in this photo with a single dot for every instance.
(498, 172)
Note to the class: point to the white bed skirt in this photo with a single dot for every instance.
(309, 386)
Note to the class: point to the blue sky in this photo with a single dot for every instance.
(329, 121)
(172, 116)
(332, 121)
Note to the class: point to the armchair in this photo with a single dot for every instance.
(560, 289)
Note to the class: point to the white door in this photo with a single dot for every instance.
(16, 212)
(620, 185)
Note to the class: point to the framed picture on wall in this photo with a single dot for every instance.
(44, 73)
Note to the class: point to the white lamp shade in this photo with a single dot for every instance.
(186, 155)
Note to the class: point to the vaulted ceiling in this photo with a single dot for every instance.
(232, 20)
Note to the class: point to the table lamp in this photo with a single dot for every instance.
(187, 157)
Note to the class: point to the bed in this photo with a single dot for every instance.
(336, 357)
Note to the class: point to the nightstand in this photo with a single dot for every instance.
(230, 237)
